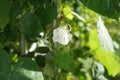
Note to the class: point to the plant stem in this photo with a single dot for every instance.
(54, 52)
(22, 44)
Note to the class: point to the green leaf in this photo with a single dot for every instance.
(21, 2)
(15, 10)
(67, 12)
(93, 40)
(5, 65)
(110, 60)
(4, 13)
(37, 3)
(11, 32)
(24, 74)
(27, 63)
(24, 69)
(63, 61)
(47, 14)
(1, 46)
(31, 26)
(109, 8)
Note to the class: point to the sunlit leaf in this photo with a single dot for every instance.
(67, 12)
(110, 60)
(93, 40)
(104, 37)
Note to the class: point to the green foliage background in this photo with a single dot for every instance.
(23, 21)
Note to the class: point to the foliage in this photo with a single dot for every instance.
(107, 57)
(27, 23)
(109, 8)
(4, 15)
(23, 69)
(28, 51)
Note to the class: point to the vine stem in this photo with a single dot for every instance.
(54, 52)
(22, 45)
(55, 45)
(22, 38)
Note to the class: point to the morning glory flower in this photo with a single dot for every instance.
(61, 35)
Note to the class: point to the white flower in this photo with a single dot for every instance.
(61, 35)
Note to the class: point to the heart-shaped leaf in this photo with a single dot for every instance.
(24, 69)
(31, 26)
(63, 61)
